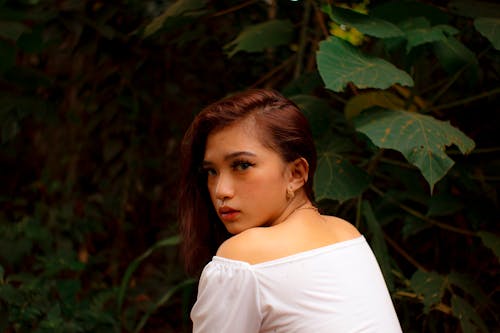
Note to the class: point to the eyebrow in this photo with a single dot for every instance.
(231, 156)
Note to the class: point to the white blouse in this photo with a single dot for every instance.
(336, 288)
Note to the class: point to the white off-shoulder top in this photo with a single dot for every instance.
(336, 288)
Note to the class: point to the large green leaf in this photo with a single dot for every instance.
(489, 27)
(336, 178)
(178, 10)
(422, 139)
(378, 243)
(257, 38)
(366, 24)
(469, 319)
(340, 63)
(430, 286)
(454, 55)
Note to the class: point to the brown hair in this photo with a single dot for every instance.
(285, 130)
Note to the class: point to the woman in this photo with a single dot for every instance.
(279, 265)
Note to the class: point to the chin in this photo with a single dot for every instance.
(234, 230)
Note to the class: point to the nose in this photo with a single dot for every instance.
(224, 187)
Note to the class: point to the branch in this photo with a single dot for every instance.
(422, 216)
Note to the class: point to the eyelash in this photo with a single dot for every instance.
(241, 163)
(237, 165)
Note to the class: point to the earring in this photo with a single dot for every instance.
(289, 194)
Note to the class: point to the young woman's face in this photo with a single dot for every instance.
(246, 180)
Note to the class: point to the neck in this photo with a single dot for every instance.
(294, 206)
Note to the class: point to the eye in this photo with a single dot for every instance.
(241, 165)
(208, 171)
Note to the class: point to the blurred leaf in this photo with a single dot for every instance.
(475, 8)
(161, 301)
(363, 101)
(422, 139)
(470, 286)
(258, 37)
(430, 286)
(7, 56)
(378, 244)
(178, 9)
(32, 42)
(317, 111)
(412, 226)
(338, 179)
(397, 11)
(340, 63)
(469, 319)
(68, 289)
(454, 55)
(489, 28)
(12, 30)
(366, 24)
(444, 204)
(419, 31)
(171, 241)
(491, 241)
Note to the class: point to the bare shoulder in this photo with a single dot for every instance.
(244, 246)
(341, 228)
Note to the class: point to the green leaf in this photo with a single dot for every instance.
(180, 8)
(444, 204)
(469, 319)
(378, 243)
(257, 38)
(338, 179)
(471, 287)
(397, 11)
(430, 286)
(491, 241)
(422, 139)
(490, 28)
(317, 111)
(363, 101)
(418, 31)
(170, 241)
(454, 55)
(340, 63)
(366, 24)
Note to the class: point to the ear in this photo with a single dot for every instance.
(298, 173)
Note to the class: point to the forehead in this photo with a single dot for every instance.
(243, 135)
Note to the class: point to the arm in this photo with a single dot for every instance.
(228, 299)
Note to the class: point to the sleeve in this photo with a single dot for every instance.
(228, 300)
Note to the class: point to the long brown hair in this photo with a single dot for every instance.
(284, 129)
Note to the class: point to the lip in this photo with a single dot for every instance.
(228, 214)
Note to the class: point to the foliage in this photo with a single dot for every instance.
(401, 96)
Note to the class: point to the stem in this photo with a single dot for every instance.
(272, 72)
(467, 100)
(235, 8)
(453, 80)
(321, 21)
(405, 254)
(303, 39)
(439, 307)
(422, 216)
